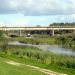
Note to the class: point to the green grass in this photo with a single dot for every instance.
(49, 40)
(36, 57)
(7, 69)
(64, 41)
(29, 61)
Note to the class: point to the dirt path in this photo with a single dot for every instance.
(48, 72)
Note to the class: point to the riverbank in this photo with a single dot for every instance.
(34, 62)
(37, 57)
(64, 41)
(40, 58)
(52, 48)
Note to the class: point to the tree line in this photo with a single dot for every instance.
(62, 24)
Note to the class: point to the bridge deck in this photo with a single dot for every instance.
(39, 28)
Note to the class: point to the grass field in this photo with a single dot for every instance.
(7, 69)
(34, 57)
(49, 40)
(33, 62)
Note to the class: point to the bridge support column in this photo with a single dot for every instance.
(52, 32)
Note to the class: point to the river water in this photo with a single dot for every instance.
(52, 48)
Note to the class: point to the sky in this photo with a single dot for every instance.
(36, 12)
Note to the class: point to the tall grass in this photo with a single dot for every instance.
(45, 57)
(50, 40)
(67, 41)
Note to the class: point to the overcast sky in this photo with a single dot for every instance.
(36, 12)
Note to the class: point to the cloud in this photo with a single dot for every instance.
(37, 7)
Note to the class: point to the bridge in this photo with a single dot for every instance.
(50, 28)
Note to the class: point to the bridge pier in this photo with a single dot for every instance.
(52, 32)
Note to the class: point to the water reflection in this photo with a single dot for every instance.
(60, 50)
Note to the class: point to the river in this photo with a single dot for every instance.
(52, 48)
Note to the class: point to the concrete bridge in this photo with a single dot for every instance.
(50, 28)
